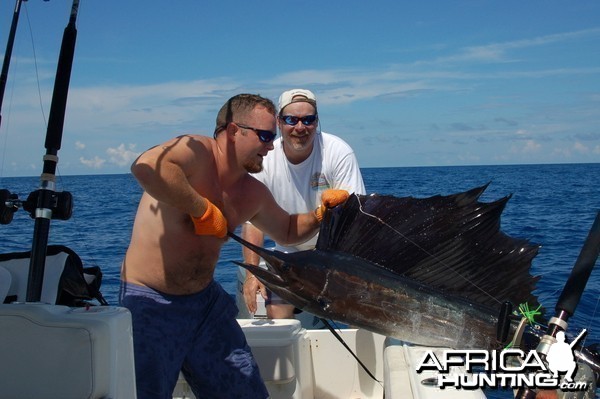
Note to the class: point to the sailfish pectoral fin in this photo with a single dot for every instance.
(263, 274)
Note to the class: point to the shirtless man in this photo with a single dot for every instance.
(196, 189)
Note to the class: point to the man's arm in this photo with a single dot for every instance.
(286, 229)
(251, 284)
(164, 171)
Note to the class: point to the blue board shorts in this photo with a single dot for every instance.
(274, 299)
(197, 334)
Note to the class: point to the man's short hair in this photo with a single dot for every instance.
(241, 104)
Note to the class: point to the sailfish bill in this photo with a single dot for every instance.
(430, 271)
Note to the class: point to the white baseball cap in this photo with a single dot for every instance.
(295, 96)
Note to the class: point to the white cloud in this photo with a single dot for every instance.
(531, 146)
(562, 152)
(496, 52)
(95, 163)
(121, 155)
(404, 94)
(579, 147)
(469, 158)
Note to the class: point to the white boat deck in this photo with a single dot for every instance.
(54, 351)
(312, 364)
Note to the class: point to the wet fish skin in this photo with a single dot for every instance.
(345, 288)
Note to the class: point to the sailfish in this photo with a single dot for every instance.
(430, 271)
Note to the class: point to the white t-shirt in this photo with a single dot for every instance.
(298, 188)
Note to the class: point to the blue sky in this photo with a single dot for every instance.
(425, 83)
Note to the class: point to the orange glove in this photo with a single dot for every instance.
(211, 223)
(330, 199)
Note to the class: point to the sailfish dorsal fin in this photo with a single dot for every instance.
(452, 243)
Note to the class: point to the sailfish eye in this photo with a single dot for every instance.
(323, 303)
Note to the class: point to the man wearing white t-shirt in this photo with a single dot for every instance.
(304, 163)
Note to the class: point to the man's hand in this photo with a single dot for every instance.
(211, 223)
(330, 199)
(251, 285)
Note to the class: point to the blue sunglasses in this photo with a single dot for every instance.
(265, 136)
(293, 120)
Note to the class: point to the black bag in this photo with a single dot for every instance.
(66, 281)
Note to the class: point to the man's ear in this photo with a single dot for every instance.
(231, 130)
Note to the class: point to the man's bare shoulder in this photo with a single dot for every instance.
(255, 186)
(258, 196)
(189, 139)
(188, 146)
(254, 193)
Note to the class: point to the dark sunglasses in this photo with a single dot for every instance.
(265, 136)
(293, 120)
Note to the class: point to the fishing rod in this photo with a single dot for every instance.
(8, 53)
(7, 200)
(570, 296)
(9, 203)
(45, 203)
(49, 203)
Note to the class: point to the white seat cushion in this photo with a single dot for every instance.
(5, 281)
(19, 270)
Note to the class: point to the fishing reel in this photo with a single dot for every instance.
(40, 203)
(551, 346)
(580, 380)
(8, 206)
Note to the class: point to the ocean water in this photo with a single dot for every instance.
(551, 205)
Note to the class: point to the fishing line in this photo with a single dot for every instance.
(35, 65)
(339, 338)
(424, 250)
(7, 125)
(4, 79)
(591, 319)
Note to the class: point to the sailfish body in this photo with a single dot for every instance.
(431, 271)
(345, 288)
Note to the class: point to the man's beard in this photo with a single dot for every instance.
(253, 167)
(300, 143)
